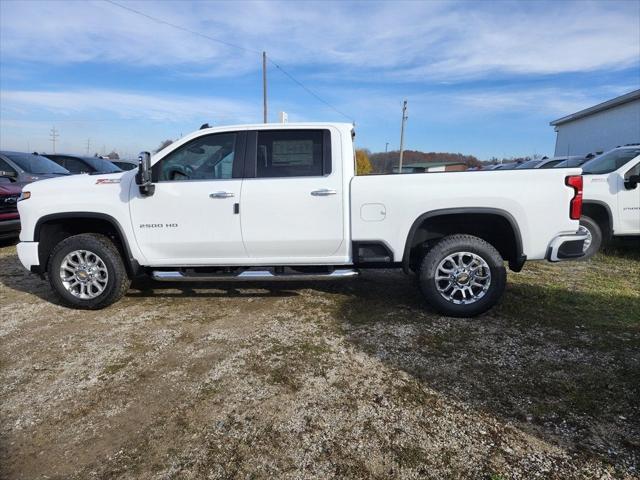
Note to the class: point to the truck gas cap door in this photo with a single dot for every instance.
(373, 212)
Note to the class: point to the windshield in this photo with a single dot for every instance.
(610, 161)
(571, 162)
(529, 164)
(551, 163)
(36, 164)
(101, 165)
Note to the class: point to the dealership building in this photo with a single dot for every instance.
(599, 128)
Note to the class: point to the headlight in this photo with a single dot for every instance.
(24, 196)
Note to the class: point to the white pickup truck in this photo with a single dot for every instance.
(611, 197)
(283, 202)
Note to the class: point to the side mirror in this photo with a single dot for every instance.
(9, 175)
(143, 177)
(632, 182)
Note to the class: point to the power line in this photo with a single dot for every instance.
(180, 27)
(310, 92)
(232, 45)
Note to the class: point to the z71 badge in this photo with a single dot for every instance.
(106, 181)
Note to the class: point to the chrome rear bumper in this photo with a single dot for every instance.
(567, 246)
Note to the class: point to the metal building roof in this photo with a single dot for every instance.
(614, 102)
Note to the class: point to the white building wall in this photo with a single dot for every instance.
(600, 131)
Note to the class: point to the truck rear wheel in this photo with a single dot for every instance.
(462, 276)
(86, 271)
(593, 243)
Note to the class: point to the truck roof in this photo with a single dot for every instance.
(281, 125)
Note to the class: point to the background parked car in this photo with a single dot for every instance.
(125, 164)
(78, 164)
(29, 167)
(574, 161)
(530, 164)
(10, 191)
(551, 162)
(507, 166)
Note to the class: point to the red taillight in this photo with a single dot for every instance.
(575, 206)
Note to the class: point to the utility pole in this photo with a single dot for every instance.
(53, 134)
(264, 85)
(386, 147)
(404, 119)
(88, 146)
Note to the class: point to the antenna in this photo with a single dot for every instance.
(264, 86)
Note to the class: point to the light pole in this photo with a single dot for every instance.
(404, 119)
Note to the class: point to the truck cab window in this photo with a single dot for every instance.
(291, 153)
(205, 158)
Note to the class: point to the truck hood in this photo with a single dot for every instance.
(80, 182)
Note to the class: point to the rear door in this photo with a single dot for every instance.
(292, 205)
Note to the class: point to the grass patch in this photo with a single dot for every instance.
(289, 364)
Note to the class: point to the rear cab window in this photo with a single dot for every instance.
(289, 153)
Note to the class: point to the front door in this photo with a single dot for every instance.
(292, 204)
(192, 219)
(629, 203)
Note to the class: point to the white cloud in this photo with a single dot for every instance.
(404, 40)
(128, 105)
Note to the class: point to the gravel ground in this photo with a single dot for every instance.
(350, 380)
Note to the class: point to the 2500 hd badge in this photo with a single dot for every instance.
(158, 225)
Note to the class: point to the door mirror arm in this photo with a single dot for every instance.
(632, 182)
(143, 177)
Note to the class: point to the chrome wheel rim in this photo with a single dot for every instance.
(463, 278)
(588, 240)
(84, 275)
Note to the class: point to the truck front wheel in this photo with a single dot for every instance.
(462, 276)
(86, 271)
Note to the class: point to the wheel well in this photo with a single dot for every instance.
(494, 228)
(600, 214)
(51, 232)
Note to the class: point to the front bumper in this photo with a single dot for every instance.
(28, 255)
(567, 246)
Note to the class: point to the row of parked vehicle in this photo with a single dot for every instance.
(611, 198)
(544, 162)
(18, 169)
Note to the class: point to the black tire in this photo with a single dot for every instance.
(117, 282)
(596, 236)
(451, 245)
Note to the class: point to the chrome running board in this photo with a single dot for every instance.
(251, 275)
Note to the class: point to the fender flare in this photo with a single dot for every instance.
(130, 262)
(514, 265)
(607, 209)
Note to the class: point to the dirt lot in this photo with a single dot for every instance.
(349, 380)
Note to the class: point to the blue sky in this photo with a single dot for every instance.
(481, 78)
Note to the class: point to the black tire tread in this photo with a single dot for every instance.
(462, 242)
(597, 238)
(87, 241)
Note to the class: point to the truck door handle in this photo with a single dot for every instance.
(323, 192)
(221, 194)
